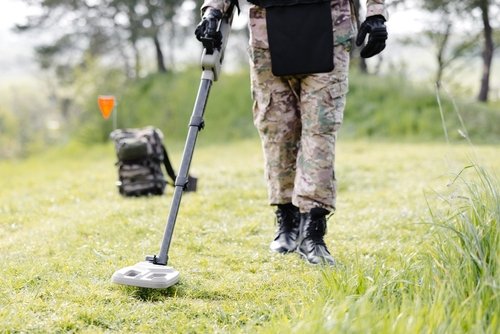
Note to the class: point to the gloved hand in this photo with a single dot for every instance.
(206, 31)
(375, 26)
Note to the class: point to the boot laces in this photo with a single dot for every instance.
(287, 220)
(316, 232)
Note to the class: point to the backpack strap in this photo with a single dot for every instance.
(192, 181)
(168, 165)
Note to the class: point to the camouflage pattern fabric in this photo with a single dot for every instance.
(140, 159)
(373, 7)
(298, 117)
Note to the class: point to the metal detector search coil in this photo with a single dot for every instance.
(147, 275)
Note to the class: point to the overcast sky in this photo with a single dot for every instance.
(16, 58)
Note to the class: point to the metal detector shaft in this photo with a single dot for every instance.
(211, 64)
(195, 126)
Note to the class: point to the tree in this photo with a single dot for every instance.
(488, 47)
(448, 50)
(101, 27)
(146, 19)
(91, 47)
(462, 10)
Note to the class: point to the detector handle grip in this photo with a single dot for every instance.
(212, 58)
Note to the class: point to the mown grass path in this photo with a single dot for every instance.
(64, 230)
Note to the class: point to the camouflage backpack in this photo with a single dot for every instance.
(141, 154)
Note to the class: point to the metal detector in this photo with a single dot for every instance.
(154, 272)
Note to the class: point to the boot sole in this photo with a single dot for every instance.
(321, 263)
(282, 250)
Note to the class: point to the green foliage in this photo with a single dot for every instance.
(28, 123)
(166, 101)
(9, 128)
(377, 107)
(389, 107)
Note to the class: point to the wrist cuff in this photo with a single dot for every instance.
(377, 9)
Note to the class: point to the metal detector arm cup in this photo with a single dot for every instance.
(211, 62)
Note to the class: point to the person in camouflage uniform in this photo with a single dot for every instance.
(298, 118)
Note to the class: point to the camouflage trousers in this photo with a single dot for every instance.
(297, 118)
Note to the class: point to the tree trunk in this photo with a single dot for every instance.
(363, 66)
(440, 57)
(487, 52)
(160, 61)
(137, 57)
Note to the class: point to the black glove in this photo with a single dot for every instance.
(375, 26)
(206, 31)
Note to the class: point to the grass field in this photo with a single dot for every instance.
(64, 230)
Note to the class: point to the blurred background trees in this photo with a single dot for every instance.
(131, 48)
(476, 13)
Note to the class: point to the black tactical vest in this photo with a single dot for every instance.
(274, 3)
(300, 36)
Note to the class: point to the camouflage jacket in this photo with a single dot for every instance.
(344, 23)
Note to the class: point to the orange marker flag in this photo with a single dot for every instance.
(106, 105)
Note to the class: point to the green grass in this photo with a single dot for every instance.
(402, 268)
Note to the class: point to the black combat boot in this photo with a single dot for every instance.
(311, 244)
(288, 220)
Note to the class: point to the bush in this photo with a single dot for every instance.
(389, 107)
(377, 107)
(166, 101)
